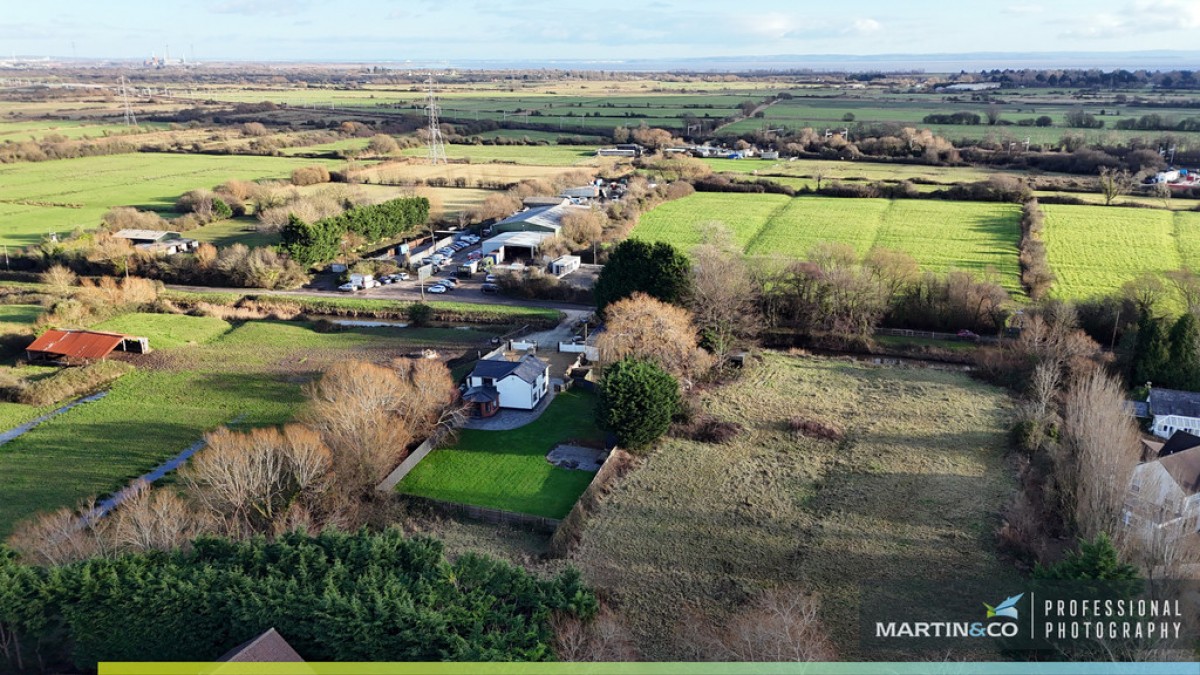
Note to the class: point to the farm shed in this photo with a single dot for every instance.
(515, 244)
(81, 346)
(157, 241)
(538, 218)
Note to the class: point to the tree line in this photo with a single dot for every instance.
(318, 242)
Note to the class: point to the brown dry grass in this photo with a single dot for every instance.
(473, 173)
(912, 492)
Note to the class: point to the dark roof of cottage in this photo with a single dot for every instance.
(1179, 441)
(1174, 402)
(481, 395)
(528, 368)
(1184, 467)
(270, 647)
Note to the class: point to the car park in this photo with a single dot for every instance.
(401, 276)
(474, 255)
(448, 281)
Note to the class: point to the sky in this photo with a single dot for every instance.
(543, 30)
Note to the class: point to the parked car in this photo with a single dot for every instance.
(402, 276)
(489, 288)
(474, 255)
(487, 231)
(449, 281)
(491, 278)
(348, 288)
(436, 288)
(967, 335)
(389, 279)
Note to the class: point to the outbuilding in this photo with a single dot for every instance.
(158, 241)
(514, 245)
(74, 347)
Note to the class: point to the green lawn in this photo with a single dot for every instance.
(204, 374)
(508, 469)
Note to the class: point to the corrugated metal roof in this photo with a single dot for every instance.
(76, 344)
(151, 235)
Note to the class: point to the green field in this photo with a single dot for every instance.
(1094, 250)
(27, 130)
(508, 469)
(940, 235)
(205, 373)
(234, 231)
(907, 495)
(15, 318)
(37, 198)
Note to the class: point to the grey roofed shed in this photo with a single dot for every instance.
(1174, 402)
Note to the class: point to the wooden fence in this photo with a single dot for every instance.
(567, 535)
(930, 335)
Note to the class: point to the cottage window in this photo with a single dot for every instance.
(1127, 516)
(1135, 486)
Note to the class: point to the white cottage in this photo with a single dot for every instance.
(1173, 411)
(495, 384)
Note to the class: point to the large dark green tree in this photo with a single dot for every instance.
(334, 597)
(1185, 353)
(659, 270)
(1096, 560)
(637, 401)
(1151, 361)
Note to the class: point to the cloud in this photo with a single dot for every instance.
(1023, 9)
(261, 7)
(864, 26)
(1139, 18)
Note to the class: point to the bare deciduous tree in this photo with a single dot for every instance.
(1114, 183)
(604, 639)
(723, 297)
(151, 520)
(248, 481)
(584, 228)
(1099, 452)
(647, 328)
(781, 626)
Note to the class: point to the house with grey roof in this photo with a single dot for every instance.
(1173, 410)
(1163, 497)
(499, 383)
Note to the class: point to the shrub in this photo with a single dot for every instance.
(815, 429)
(310, 175)
(70, 383)
(637, 401)
(419, 314)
